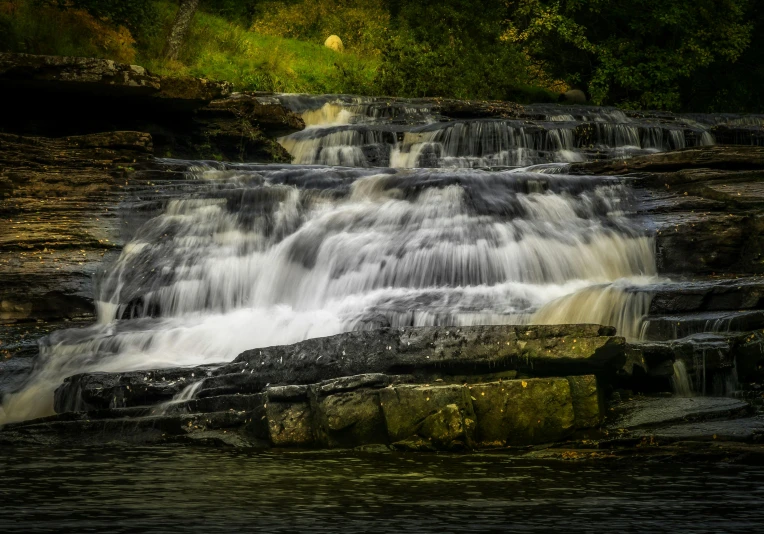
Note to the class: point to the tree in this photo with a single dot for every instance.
(449, 49)
(635, 53)
(180, 28)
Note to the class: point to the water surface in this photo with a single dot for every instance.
(211, 490)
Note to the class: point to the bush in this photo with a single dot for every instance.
(30, 27)
(139, 16)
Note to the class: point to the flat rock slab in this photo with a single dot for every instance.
(662, 411)
(714, 157)
(744, 429)
(428, 353)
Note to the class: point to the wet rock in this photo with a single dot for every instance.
(523, 412)
(586, 400)
(447, 429)
(283, 424)
(474, 109)
(351, 419)
(58, 202)
(439, 414)
(655, 412)
(670, 327)
(424, 354)
(749, 429)
(706, 157)
(406, 416)
(708, 295)
(447, 350)
(242, 127)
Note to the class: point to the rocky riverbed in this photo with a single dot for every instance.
(77, 184)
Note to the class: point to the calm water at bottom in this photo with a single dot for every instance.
(206, 490)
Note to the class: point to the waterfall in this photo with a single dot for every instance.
(680, 380)
(264, 255)
(184, 395)
(248, 255)
(381, 132)
(612, 304)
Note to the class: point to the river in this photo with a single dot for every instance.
(214, 490)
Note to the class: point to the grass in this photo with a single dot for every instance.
(215, 48)
(221, 50)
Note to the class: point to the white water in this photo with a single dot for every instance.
(184, 395)
(266, 255)
(378, 132)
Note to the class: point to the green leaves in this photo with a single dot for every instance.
(636, 53)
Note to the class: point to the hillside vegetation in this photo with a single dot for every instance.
(697, 55)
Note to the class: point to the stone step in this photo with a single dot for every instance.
(663, 411)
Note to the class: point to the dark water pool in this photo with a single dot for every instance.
(205, 490)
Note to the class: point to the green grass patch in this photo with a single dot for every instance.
(221, 50)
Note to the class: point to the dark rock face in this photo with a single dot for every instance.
(187, 117)
(366, 410)
(30, 70)
(472, 109)
(705, 204)
(58, 200)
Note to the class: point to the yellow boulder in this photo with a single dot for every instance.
(335, 43)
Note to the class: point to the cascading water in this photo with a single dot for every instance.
(381, 132)
(259, 255)
(680, 380)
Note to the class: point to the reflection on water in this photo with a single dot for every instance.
(206, 490)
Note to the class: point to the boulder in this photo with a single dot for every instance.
(573, 96)
(427, 354)
(335, 43)
(349, 412)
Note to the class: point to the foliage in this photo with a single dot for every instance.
(240, 11)
(361, 24)
(636, 53)
(29, 27)
(452, 49)
(139, 16)
(678, 54)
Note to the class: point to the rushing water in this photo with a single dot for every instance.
(258, 255)
(198, 490)
(364, 132)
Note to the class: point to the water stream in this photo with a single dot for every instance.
(255, 255)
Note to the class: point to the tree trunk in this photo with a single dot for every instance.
(180, 28)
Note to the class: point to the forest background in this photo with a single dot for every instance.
(678, 55)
